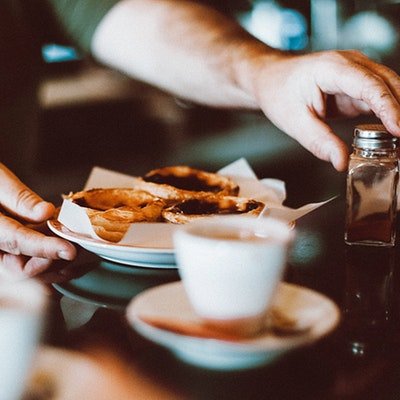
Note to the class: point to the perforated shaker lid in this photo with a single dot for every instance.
(373, 136)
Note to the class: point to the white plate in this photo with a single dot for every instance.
(170, 301)
(120, 253)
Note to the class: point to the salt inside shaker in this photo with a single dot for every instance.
(371, 191)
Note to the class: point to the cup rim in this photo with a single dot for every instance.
(282, 231)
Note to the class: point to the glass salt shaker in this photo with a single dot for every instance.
(371, 198)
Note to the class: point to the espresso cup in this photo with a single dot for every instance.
(230, 267)
(22, 310)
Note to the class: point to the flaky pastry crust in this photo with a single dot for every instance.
(104, 199)
(206, 206)
(178, 183)
(111, 211)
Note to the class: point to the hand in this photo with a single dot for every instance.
(294, 91)
(297, 93)
(22, 249)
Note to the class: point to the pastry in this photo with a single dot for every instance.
(183, 182)
(104, 199)
(111, 211)
(177, 195)
(205, 206)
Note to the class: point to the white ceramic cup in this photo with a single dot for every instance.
(230, 267)
(22, 308)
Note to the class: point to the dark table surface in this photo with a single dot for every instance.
(359, 360)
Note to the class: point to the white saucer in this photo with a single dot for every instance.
(170, 301)
(147, 257)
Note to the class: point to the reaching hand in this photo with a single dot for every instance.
(23, 249)
(220, 64)
(297, 93)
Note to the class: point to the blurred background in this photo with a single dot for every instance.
(93, 116)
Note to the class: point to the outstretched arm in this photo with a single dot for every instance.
(180, 46)
(201, 55)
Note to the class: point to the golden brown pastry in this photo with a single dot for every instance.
(104, 199)
(111, 211)
(183, 182)
(191, 209)
(176, 194)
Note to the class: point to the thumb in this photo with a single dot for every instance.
(18, 199)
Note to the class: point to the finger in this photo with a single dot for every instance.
(60, 271)
(320, 140)
(350, 107)
(36, 265)
(18, 240)
(391, 78)
(23, 266)
(18, 199)
(363, 84)
(13, 263)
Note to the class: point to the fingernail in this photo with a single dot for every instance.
(40, 208)
(339, 158)
(65, 255)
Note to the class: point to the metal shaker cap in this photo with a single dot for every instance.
(373, 136)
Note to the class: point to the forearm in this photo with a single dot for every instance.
(183, 48)
(201, 55)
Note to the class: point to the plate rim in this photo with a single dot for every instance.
(61, 230)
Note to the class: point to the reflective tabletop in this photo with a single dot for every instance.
(359, 359)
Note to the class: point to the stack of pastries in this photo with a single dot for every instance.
(177, 194)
